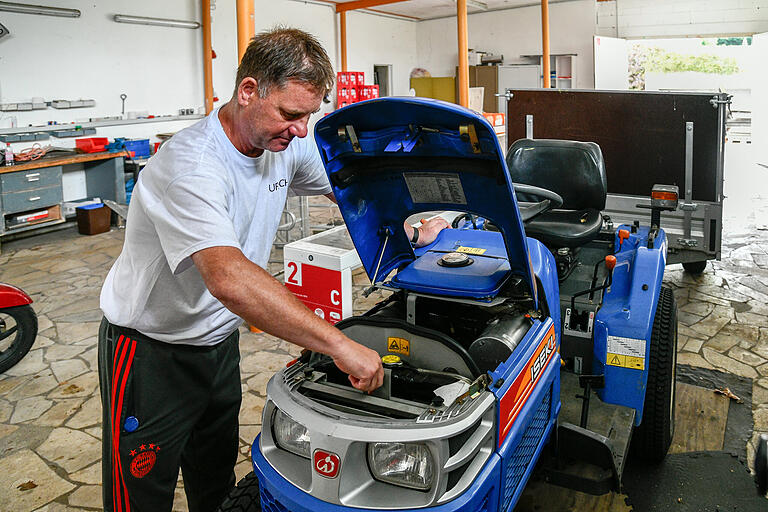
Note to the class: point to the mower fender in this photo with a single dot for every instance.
(624, 323)
(11, 296)
(481, 496)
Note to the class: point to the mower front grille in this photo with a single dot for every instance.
(521, 458)
(270, 504)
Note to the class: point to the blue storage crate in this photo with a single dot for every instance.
(140, 147)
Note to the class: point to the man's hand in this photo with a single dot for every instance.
(254, 295)
(362, 364)
(429, 230)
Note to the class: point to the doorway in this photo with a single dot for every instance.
(382, 76)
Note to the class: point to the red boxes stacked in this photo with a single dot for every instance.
(368, 92)
(351, 88)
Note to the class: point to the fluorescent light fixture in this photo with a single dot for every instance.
(477, 4)
(42, 10)
(160, 22)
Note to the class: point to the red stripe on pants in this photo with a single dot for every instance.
(120, 378)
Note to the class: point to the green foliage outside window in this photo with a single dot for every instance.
(644, 59)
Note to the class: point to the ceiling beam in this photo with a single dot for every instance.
(476, 4)
(363, 4)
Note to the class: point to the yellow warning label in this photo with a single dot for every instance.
(622, 361)
(399, 346)
(471, 250)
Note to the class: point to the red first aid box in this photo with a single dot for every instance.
(318, 270)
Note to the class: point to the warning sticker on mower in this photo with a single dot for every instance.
(471, 250)
(435, 187)
(399, 346)
(625, 352)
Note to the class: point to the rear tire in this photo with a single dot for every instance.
(651, 440)
(245, 497)
(18, 330)
(695, 267)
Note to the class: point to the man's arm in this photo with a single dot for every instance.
(251, 293)
(427, 231)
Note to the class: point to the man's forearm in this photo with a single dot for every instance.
(257, 297)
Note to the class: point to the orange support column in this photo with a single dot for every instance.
(245, 26)
(545, 43)
(207, 56)
(461, 17)
(343, 37)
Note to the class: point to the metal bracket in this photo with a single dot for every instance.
(716, 101)
(348, 132)
(688, 178)
(467, 132)
(529, 126)
(507, 94)
(689, 207)
(410, 309)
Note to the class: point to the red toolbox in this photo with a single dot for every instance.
(91, 144)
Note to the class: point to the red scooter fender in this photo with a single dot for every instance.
(11, 296)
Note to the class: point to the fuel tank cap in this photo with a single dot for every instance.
(455, 259)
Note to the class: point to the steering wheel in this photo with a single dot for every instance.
(542, 200)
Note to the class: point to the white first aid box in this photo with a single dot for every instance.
(318, 270)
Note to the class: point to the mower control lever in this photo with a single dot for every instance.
(610, 264)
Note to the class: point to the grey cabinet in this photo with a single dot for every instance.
(30, 190)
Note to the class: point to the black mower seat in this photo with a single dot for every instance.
(573, 169)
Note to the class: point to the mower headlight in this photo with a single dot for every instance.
(405, 464)
(290, 435)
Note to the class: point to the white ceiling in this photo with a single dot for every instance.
(430, 9)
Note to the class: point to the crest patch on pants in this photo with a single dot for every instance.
(143, 459)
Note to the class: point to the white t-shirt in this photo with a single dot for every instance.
(199, 191)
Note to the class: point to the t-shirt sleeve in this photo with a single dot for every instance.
(310, 178)
(191, 215)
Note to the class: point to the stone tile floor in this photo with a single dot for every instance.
(50, 411)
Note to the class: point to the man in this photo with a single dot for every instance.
(201, 224)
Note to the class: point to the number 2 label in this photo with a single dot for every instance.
(293, 270)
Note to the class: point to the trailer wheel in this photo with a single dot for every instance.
(651, 440)
(245, 497)
(695, 267)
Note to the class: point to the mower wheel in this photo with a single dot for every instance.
(695, 267)
(652, 438)
(245, 497)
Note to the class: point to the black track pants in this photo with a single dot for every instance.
(167, 406)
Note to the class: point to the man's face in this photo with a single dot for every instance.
(282, 115)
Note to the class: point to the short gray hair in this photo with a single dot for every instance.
(281, 54)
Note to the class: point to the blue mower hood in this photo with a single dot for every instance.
(390, 158)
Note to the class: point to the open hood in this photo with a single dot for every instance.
(390, 158)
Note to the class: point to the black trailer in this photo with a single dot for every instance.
(646, 138)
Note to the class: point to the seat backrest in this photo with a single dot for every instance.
(573, 169)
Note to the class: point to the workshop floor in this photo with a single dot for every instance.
(50, 412)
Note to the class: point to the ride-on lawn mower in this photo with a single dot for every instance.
(535, 332)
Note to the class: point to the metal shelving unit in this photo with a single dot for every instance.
(96, 124)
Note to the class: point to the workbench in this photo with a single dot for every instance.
(36, 186)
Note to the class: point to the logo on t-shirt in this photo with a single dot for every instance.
(278, 184)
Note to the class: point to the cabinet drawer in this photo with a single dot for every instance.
(29, 200)
(30, 180)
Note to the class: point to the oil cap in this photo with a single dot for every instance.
(391, 361)
(455, 259)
